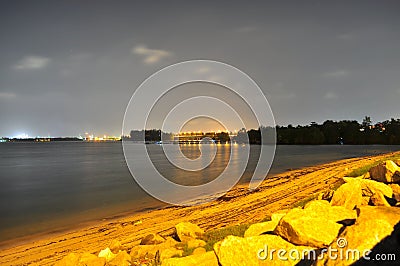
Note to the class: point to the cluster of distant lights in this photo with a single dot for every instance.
(92, 137)
(89, 137)
(21, 136)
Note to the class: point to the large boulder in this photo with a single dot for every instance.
(370, 187)
(152, 239)
(265, 227)
(377, 229)
(322, 208)
(348, 195)
(121, 259)
(257, 250)
(204, 259)
(107, 254)
(316, 225)
(301, 228)
(115, 246)
(187, 231)
(260, 228)
(387, 172)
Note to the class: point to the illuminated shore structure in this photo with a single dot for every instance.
(91, 137)
(196, 137)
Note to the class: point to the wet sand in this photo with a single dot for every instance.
(237, 207)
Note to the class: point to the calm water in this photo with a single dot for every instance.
(51, 186)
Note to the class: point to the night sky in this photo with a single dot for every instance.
(69, 67)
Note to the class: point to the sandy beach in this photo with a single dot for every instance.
(237, 207)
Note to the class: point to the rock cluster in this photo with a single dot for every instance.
(361, 215)
(152, 250)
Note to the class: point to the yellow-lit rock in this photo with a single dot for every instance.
(260, 228)
(301, 229)
(121, 259)
(369, 187)
(115, 246)
(152, 239)
(373, 229)
(348, 195)
(323, 209)
(107, 254)
(187, 231)
(238, 251)
(205, 259)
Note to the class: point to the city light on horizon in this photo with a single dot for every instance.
(20, 136)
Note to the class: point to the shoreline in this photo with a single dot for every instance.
(10, 243)
(238, 206)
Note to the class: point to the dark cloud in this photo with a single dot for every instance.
(68, 67)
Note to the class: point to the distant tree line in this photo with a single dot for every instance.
(347, 132)
(150, 135)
